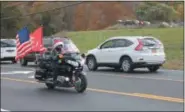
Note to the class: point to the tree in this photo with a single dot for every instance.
(141, 11)
(54, 20)
(161, 12)
(46, 19)
(9, 27)
(180, 10)
(99, 15)
(156, 12)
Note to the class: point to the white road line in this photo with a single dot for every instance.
(4, 110)
(31, 77)
(13, 67)
(17, 72)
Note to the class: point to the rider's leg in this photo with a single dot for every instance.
(55, 73)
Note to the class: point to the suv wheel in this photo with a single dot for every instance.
(23, 62)
(126, 64)
(153, 68)
(91, 63)
(14, 61)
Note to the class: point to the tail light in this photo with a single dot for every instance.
(139, 46)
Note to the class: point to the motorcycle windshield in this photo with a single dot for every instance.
(75, 56)
(69, 46)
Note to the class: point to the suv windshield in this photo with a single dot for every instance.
(10, 42)
(5, 44)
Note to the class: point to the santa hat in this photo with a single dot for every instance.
(57, 44)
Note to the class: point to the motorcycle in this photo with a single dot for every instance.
(70, 68)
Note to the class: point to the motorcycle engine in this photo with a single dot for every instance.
(62, 79)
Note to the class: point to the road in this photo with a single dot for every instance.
(107, 90)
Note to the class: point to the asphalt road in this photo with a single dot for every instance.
(108, 90)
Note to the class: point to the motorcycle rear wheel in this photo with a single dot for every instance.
(83, 84)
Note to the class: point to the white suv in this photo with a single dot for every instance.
(127, 53)
(8, 50)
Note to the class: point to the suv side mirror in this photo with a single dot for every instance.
(99, 47)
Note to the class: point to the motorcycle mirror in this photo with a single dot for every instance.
(83, 55)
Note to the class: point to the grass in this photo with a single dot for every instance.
(172, 39)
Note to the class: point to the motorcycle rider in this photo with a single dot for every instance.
(56, 51)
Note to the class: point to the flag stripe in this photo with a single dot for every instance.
(23, 46)
(22, 49)
(25, 49)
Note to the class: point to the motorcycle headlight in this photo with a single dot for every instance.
(73, 63)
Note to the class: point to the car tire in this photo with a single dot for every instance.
(153, 68)
(23, 62)
(91, 63)
(126, 65)
(14, 61)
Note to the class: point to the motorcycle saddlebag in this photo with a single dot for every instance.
(44, 65)
(39, 74)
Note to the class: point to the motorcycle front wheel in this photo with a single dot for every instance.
(83, 85)
(50, 86)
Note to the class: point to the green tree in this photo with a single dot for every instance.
(46, 19)
(52, 21)
(141, 11)
(155, 11)
(161, 12)
(9, 27)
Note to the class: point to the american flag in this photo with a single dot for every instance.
(23, 44)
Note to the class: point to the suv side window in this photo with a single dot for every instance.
(122, 43)
(108, 44)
